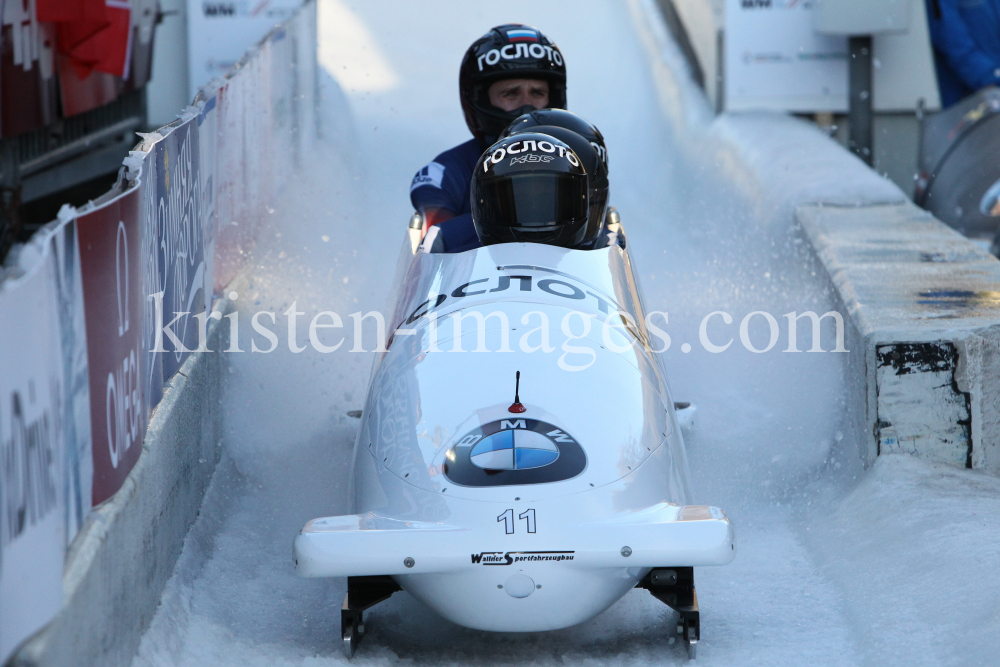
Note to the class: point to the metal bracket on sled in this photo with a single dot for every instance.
(362, 593)
(674, 586)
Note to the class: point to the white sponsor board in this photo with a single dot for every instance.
(774, 60)
(220, 32)
(64, 266)
(32, 510)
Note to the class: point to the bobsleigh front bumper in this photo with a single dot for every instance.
(367, 544)
(485, 579)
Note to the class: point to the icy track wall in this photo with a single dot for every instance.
(924, 302)
(106, 448)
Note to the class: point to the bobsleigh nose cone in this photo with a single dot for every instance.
(519, 586)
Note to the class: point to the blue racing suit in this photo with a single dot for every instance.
(444, 183)
(965, 35)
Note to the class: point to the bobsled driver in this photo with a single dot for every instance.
(532, 187)
(508, 71)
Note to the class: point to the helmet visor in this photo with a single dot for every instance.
(532, 200)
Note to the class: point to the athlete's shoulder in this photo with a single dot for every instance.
(464, 154)
(431, 175)
(454, 164)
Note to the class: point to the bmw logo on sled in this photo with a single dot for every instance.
(525, 516)
(514, 451)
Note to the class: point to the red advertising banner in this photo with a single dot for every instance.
(111, 271)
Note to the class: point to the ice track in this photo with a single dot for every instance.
(837, 566)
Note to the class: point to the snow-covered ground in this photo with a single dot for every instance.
(837, 566)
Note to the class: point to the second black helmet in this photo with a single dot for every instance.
(588, 144)
(559, 117)
(531, 188)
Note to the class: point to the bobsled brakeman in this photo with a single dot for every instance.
(506, 487)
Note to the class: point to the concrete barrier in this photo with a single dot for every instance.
(926, 304)
(121, 559)
(923, 301)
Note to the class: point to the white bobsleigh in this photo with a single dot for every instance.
(518, 514)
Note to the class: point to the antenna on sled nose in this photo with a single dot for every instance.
(516, 405)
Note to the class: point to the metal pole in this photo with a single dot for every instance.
(859, 110)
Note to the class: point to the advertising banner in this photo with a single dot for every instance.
(78, 377)
(32, 526)
(152, 283)
(221, 31)
(180, 240)
(64, 267)
(207, 140)
(774, 60)
(111, 266)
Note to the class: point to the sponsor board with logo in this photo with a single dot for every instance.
(152, 367)
(774, 60)
(207, 123)
(111, 261)
(180, 241)
(220, 32)
(32, 511)
(77, 379)
(67, 281)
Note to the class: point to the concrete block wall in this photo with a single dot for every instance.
(121, 559)
(926, 303)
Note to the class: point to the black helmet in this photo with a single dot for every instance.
(588, 144)
(557, 117)
(531, 187)
(511, 51)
